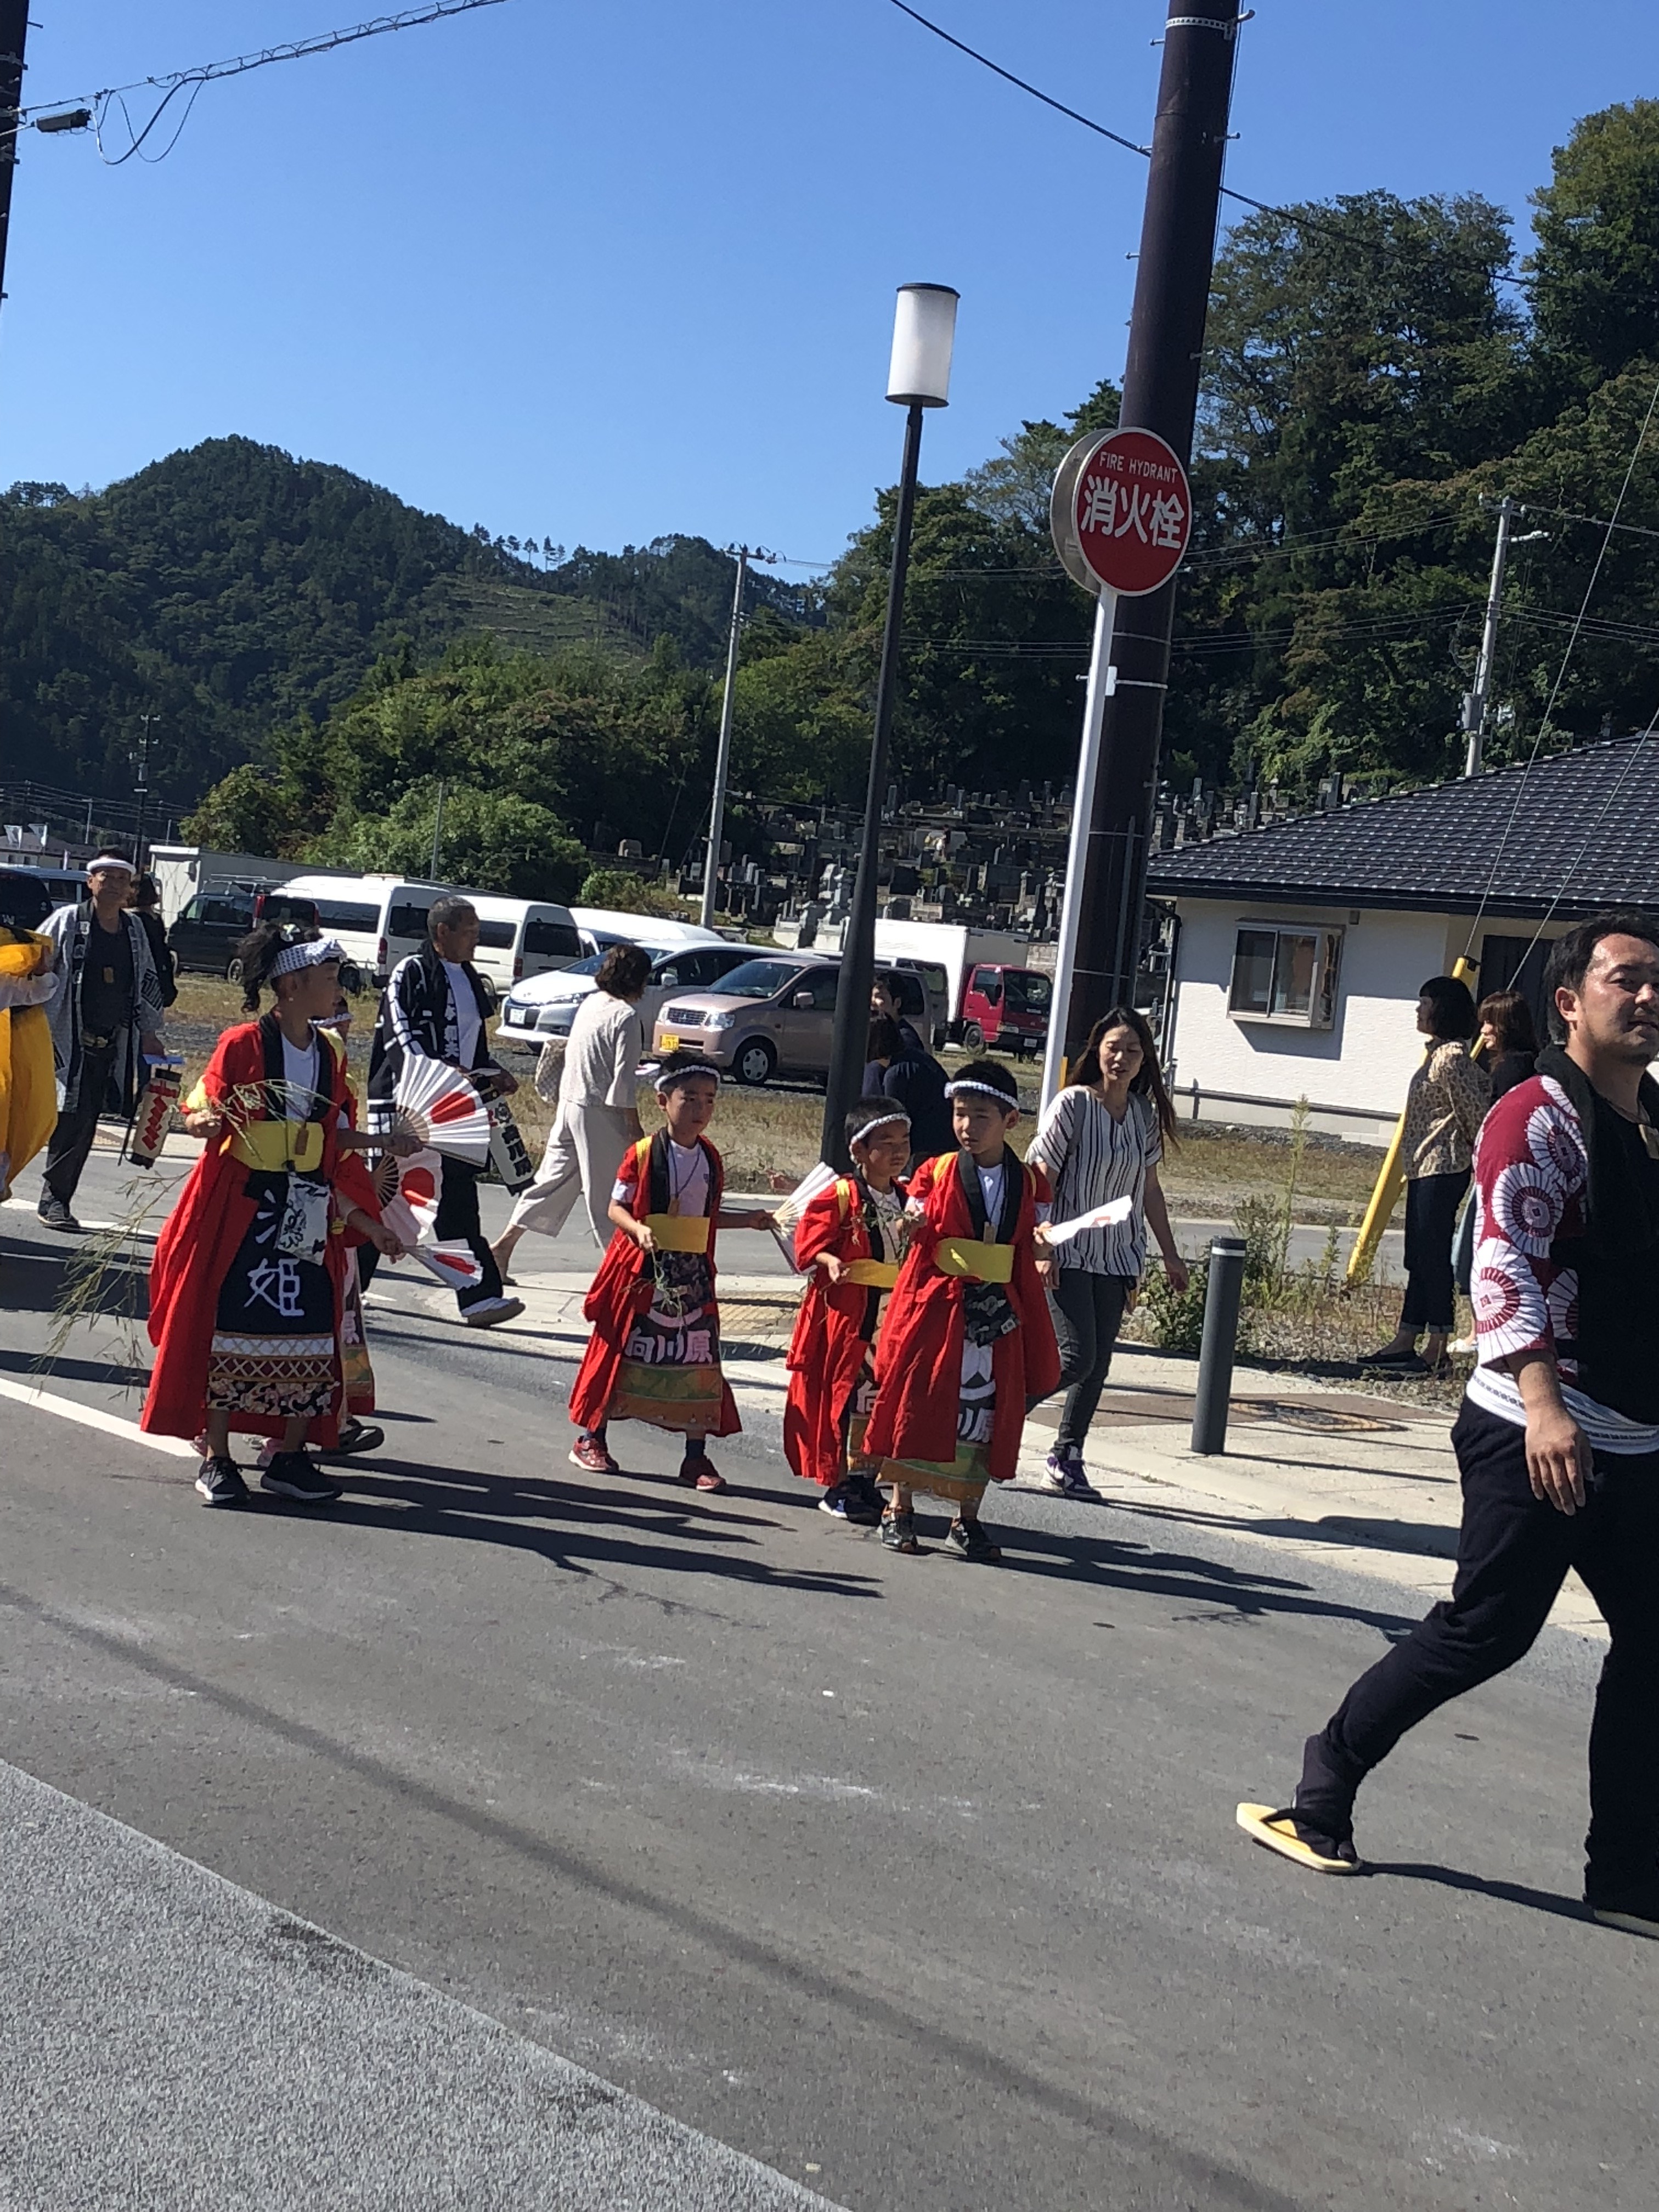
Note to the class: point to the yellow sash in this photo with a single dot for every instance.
(967, 1256)
(678, 1232)
(272, 1147)
(873, 1274)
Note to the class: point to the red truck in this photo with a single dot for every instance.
(1008, 1007)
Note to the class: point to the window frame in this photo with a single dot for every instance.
(1323, 984)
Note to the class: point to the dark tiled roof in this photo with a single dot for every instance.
(1583, 825)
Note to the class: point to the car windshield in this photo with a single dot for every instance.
(1031, 993)
(756, 978)
(588, 967)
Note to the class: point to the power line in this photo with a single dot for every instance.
(1262, 207)
(179, 81)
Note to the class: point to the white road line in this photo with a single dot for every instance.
(91, 1417)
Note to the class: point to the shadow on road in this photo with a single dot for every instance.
(1507, 1892)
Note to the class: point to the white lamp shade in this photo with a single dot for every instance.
(924, 331)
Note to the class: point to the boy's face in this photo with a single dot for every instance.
(883, 1154)
(981, 1125)
(688, 1108)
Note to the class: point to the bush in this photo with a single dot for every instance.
(622, 892)
(1176, 1317)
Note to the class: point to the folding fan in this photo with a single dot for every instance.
(785, 1216)
(420, 1186)
(455, 1266)
(438, 1105)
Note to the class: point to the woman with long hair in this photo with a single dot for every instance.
(1507, 1048)
(1102, 1138)
(247, 1285)
(1444, 1108)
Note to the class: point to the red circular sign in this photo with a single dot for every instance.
(1133, 512)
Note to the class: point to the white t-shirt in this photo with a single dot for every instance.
(301, 1079)
(468, 1021)
(687, 1180)
(601, 1061)
(990, 1184)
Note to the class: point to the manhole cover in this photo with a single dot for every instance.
(1324, 1420)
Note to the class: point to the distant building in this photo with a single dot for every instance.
(1301, 945)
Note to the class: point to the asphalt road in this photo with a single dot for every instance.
(915, 1881)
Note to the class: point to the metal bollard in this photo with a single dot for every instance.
(1215, 1358)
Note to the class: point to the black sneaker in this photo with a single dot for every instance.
(863, 1500)
(898, 1532)
(220, 1483)
(837, 1500)
(293, 1474)
(55, 1214)
(1637, 1911)
(969, 1541)
(357, 1436)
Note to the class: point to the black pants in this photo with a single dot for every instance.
(1430, 1212)
(1513, 1554)
(1088, 1313)
(458, 1218)
(71, 1140)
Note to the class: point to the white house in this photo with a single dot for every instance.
(1301, 946)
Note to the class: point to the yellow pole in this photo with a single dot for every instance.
(1391, 1175)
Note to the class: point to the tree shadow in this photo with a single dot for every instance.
(1423, 1538)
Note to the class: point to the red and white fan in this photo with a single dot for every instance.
(437, 1104)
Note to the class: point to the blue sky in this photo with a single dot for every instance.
(606, 272)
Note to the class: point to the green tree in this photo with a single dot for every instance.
(491, 840)
(1595, 270)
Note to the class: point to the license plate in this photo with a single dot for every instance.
(670, 1041)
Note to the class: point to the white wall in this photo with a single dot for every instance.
(1365, 1061)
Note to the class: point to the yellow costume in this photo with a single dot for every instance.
(28, 1084)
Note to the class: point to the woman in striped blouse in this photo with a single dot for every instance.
(1102, 1138)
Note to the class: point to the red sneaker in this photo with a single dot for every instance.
(590, 1453)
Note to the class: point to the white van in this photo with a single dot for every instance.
(608, 925)
(518, 937)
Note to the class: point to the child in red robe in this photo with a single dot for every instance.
(246, 1288)
(967, 1343)
(851, 1236)
(655, 1352)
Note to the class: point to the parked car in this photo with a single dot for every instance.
(518, 937)
(773, 1015)
(205, 935)
(27, 896)
(546, 1006)
(1007, 1008)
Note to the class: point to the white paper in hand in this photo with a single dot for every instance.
(1099, 1217)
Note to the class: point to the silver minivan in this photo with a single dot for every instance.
(774, 1015)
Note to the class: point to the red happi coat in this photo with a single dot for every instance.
(918, 1360)
(204, 1233)
(827, 1351)
(625, 1283)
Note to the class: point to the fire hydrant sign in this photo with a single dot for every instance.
(1132, 512)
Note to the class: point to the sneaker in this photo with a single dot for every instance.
(837, 1500)
(490, 1313)
(865, 1500)
(698, 1469)
(969, 1541)
(292, 1475)
(1065, 1473)
(220, 1483)
(898, 1532)
(1637, 1911)
(357, 1436)
(55, 1214)
(591, 1454)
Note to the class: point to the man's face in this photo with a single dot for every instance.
(1616, 1010)
(882, 1001)
(109, 886)
(458, 939)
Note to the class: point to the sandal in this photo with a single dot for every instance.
(697, 1469)
(1293, 1837)
(898, 1532)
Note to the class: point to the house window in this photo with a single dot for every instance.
(1284, 973)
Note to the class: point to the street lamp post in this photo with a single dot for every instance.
(918, 377)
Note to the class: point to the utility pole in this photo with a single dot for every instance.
(14, 36)
(141, 788)
(437, 830)
(723, 756)
(1160, 393)
(1476, 702)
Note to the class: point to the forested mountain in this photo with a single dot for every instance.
(229, 588)
(1377, 371)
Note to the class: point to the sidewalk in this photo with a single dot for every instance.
(1353, 1480)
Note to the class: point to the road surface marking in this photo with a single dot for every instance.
(92, 1417)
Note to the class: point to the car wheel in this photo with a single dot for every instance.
(973, 1040)
(753, 1062)
(233, 971)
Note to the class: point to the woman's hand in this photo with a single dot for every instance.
(1045, 1266)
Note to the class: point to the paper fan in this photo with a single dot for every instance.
(420, 1186)
(789, 1211)
(438, 1105)
(456, 1265)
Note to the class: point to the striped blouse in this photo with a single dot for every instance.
(1091, 1158)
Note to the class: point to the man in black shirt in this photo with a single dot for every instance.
(106, 1012)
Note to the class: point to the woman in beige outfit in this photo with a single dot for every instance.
(1444, 1108)
(598, 1115)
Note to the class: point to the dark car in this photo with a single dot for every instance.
(207, 933)
(27, 896)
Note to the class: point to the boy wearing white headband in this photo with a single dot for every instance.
(851, 1236)
(968, 1342)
